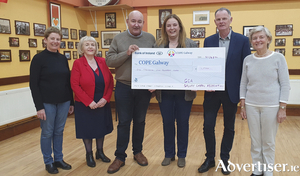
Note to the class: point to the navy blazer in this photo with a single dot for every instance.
(239, 48)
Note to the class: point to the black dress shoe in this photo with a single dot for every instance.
(256, 175)
(90, 159)
(225, 172)
(51, 168)
(206, 166)
(62, 164)
(101, 155)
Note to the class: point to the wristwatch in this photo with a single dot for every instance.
(282, 107)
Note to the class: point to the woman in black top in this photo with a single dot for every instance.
(52, 95)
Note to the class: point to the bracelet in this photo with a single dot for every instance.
(282, 107)
(242, 107)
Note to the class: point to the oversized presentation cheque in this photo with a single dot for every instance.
(178, 68)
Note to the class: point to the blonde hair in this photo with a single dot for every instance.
(84, 39)
(164, 36)
(261, 29)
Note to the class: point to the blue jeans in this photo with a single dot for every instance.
(131, 105)
(173, 107)
(52, 130)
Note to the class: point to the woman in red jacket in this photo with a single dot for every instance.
(92, 84)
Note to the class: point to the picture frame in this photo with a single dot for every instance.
(296, 51)
(62, 44)
(65, 33)
(162, 14)
(82, 33)
(280, 42)
(32, 43)
(75, 55)
(110, 20)
(73, 33)
(67, 54)
(246, 32)
(107, 37)
(197, 42)
(5, 26)
(280, 50)
(99, 54)
(55, 15)
(158, 33)
(22, 27)
(24, 55)
(38, 51)
(98, 45)
(5, 55)
(14, 42)
(197, 32)
(201, 17)
(94, 34)
(284, 30)
(39, 29)
(106, 52)
(296, 42)
(70, 45)
(76, 44)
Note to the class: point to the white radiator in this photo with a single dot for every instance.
(16, 104)
(294, 92)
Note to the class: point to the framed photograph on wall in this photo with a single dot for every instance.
(14, 41)
(67, 54)
(5, 26)
(95, 34)
(38, 51)
(65, 33)
(70, 45)
(82, 33)
(5, 55)
(296, 42)
(200, 17)
(32, 43)
(22, 28)
(106, 52)
(280, 42)
(296, 51)
(75, 55)
(162, 13)
(39, 29)
(280, 50)
(73, 33)
(107, 37)
(63, 44)
(197, 32)
(99, 54)
(24, 55)
(158, 33)
(76, 44)
(110, 20)
(44, 44)
(284, 30)
(246, 32)
(55, 15)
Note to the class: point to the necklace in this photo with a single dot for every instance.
(265, 54)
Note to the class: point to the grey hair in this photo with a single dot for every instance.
(261, 29)
(223, 8)
(84, 39)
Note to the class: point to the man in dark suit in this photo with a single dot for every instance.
(237, 48)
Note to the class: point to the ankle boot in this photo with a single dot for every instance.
(101, 155)
(90, 159)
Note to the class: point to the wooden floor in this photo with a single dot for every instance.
(21, 155)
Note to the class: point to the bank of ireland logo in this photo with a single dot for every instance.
(171, 53)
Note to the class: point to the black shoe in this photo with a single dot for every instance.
(206, 166)
(256, 175)
(90, 159)
(225, 172)
(101, 155)
(63, 165)
(51, 168)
